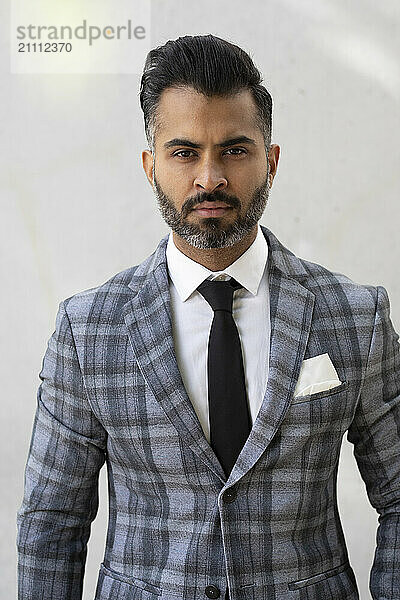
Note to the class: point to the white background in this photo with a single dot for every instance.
(76, 207)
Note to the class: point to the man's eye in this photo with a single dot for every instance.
(180, 153)
(237, 151)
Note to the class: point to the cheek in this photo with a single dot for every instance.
(173, 178)
(247, 176)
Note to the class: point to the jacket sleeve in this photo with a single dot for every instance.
(375, 433)
(67, 450)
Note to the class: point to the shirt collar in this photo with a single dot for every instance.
(248, 269)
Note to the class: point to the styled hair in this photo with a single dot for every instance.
(210, 65)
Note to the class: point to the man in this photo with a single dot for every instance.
(216, 379)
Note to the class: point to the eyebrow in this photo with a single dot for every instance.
(241, 139)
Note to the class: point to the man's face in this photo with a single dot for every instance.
(210, 172)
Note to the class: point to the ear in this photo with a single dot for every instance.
(147, 162)
(273, 159)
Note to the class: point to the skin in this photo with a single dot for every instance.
(182, 177)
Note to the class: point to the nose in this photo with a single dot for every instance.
(209, 179)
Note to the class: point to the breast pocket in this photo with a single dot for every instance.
(313, 428)
(324, 413)
(116, 586)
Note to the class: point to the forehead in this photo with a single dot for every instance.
(187, 113)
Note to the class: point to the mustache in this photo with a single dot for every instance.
(216, 196)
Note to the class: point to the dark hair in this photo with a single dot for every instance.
(209, 64)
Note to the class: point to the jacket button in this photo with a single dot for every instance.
(230, 495)
(212, 591)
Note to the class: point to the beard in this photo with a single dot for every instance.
(212, 233)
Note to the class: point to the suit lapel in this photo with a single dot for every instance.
(291, 308)
(148, 319)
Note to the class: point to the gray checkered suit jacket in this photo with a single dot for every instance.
(111, 392)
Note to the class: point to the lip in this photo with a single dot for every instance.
(212, 209)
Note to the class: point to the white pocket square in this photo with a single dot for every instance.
(317, 374)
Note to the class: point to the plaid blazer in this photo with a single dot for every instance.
(111, 391)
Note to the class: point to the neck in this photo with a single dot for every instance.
(215, 259)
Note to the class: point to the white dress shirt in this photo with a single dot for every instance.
(192, 317)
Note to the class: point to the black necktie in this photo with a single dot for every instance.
(229, 414)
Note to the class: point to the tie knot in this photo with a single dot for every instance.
(219, 294)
